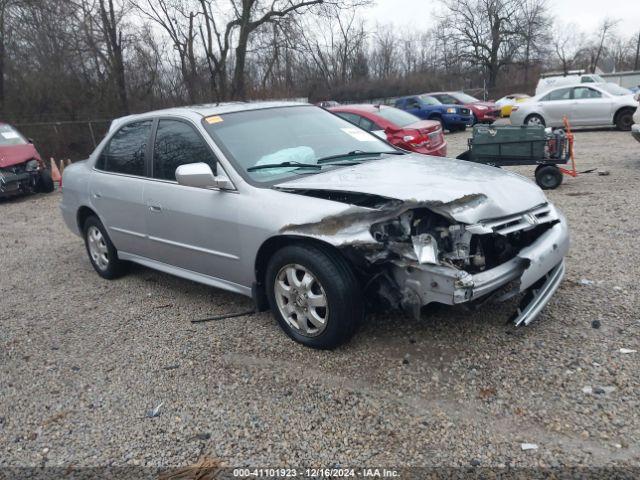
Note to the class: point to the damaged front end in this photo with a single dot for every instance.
(418, 253)
(20, 178)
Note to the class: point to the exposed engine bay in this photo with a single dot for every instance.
(430, 238)
(411, 254)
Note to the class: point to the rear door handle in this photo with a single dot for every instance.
(155, 208)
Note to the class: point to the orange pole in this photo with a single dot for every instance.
(573, 172)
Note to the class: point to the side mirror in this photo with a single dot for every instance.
(200, 175)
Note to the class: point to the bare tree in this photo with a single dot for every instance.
(605, 31)
(534, 31)
(567, 45)
(218, 52)
(6, 7)
(111, 17)
(251, 15)
(177, 19)
(636, 62)
(484, 31)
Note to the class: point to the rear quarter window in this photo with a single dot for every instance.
(125, 153)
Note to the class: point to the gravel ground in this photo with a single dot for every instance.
(82, 359)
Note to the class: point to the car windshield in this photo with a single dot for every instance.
(614, 89)
(398, 117)
(9, 136)
(447, 99)
(272, 144)
(429, 100)
(464, 98)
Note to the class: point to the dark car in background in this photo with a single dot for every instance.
(452, 117)
(399, 128)
(483, 112)
(21, 167)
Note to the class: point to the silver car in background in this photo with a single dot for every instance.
(584, 105)
(311, 216)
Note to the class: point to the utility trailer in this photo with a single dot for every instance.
(507, 145)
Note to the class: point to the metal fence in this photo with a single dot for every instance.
(68, 139)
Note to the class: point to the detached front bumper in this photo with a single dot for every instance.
(635, 131)
(537, 270)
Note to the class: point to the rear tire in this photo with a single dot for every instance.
(534, 121)
(102, 254)
(624, 119)
(314, 295)
(548, 177)
(45, 182)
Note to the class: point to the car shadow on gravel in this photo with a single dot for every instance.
(18, 199)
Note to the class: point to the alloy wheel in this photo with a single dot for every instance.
(98, 248)
(301, 300)
(534, 121)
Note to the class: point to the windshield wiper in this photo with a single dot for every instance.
(284, 165)
(357, 153)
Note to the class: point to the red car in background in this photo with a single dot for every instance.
(398, 127)
(21, 167)
(483, 112)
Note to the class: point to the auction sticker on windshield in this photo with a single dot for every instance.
(359, 135)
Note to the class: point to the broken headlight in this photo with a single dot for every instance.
(31, 165)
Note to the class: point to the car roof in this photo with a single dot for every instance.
(574, 85)
(364, 107)
(207, 109)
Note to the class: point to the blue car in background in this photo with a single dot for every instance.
(452, 117)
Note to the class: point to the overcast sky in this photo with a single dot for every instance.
(585, 13)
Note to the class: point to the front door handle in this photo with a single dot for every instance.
(155, 208)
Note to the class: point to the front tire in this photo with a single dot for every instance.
(624, 120)
(45, 182)
(102, 254)
(535, 120)
(314, 295)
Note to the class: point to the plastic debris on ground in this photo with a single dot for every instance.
(529, 446)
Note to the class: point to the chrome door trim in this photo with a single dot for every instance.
(127, 232)
(194, 248)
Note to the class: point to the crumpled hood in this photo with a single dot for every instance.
(17, 154)
(467, 192)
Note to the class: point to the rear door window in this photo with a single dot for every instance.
(178, 143)
(413, 103)
(585, 93)
(560, 94)
(125, 152)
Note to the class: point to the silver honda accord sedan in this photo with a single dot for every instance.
(311, 216)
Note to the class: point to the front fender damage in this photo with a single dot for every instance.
(412, 253)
